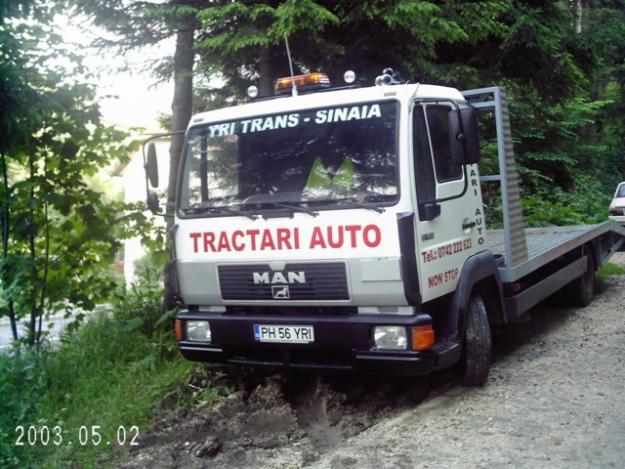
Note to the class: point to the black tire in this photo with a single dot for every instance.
(171, 300)
(477, 344)
(582, 290)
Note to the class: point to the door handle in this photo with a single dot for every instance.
(468, 225)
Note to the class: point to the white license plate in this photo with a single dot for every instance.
(283, 334)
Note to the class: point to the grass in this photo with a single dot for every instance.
(111, 372)
(120, 380)
(607, 270)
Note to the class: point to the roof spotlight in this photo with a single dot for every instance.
(349, 76)
(252, 91)
(388, 77)
(383, 80)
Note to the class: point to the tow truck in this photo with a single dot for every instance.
(343, 229)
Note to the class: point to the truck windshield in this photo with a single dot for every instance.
(314, 158)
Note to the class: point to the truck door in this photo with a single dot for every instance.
(445, 241)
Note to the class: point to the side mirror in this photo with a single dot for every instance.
(153, 203)
(429, 211)
(463, 137)
(468, 116)
(456, 137)
(151, 167)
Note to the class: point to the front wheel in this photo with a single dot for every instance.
(477, 344)
(171, 300)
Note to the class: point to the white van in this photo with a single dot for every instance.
(617, 207)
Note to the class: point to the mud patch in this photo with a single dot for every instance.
(551, 375)
(277, 421)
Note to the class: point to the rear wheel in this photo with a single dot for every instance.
(477, 343)
(582, 290)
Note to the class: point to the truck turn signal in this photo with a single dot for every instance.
(178, 329)
(422, 337)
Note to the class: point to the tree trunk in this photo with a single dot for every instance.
(5, 237)
(265, 70)
(33, 259)
(181, 105)
(579, 12)
(46, 254)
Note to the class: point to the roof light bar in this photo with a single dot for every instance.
(302, 82)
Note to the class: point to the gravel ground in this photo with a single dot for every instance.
(554, 398)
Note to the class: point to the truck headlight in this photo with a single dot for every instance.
(390, 337)
(199, 330)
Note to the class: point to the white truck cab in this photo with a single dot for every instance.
(344, 230)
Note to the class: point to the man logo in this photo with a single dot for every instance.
(280, 292)
(278, 278)
(279, 282)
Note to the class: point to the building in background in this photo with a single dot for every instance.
(130, 178)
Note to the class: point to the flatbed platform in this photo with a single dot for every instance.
(546, 244)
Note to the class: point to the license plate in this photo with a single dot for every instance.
(283, 334)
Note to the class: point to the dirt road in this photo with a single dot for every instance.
(555, 397)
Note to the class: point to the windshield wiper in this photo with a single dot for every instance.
(352, 202)
(295, 208)
(212, 209)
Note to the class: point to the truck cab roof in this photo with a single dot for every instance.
(328, 99)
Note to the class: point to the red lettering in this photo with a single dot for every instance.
(376, 233)
(296, 237)
(317, 239)
(195, 237)
(238, 246)
(209, 241)
(224, 244)
(283, 235)
(252, 234)
(335, 243)
(435, 280)
(267, 241)
(333, 237)
(353, 230)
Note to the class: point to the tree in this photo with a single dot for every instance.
(561, 62)
(455, 43)
(59, 235)
(137, 24)
(558, 60)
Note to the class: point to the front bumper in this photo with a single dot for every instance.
(342, 343)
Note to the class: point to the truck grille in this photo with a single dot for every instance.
(315, 282)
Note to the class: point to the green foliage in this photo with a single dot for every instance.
(276, 21)
(135, 24)
(610, 270)
(108, 372)
(21, 385)
(605, 271)
(59, 233)
(566, 88)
